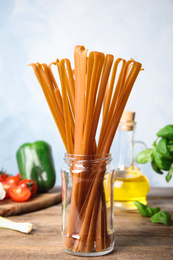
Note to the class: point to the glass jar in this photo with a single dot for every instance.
(129, 182)
(87, 205)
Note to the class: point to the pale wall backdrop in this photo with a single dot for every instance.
(43, 30)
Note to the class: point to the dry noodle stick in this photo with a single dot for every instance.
(71, 78)
(119, 108)
(82, 174)
(52, 75)
(99, 229)
(117, 111)
(79, 121)
(103, 84)
(106, 123)
(105, 98)
(59, 100)
(122, 80)
(90, 64)
(55, 112)
(124, 77)
(98, 76)
(79, 101)
(56, 88)
(92, 232)
(45, 72)
(70, 85)
(102, 238)
(68, 101)
(97, 66)
(66, 107)
(50, 81)
(109, 107)
(59, 119)
(109, 91)
(106, 236)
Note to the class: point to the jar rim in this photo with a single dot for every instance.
(95, 157)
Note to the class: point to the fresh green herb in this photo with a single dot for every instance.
(161, 217)
(145, 210)
(145, 156)
(162, 148)
(155, 167)
(169, 174)
(166, 132)
(161, 162)
(155, 214)
(161, 154)
(170, 146)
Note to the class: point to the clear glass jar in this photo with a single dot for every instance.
(87, 205)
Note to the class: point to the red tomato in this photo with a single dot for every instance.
(18, 175)
(19, 194)
(30, 184)
(3, 176)
(13, 180)
(6, 185)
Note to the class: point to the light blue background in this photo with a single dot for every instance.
(43, 30)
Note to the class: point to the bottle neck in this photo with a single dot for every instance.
(126, 148)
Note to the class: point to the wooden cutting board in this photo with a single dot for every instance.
(39, 201)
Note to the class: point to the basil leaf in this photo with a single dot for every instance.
(145, 210)
(162, 148)
(169, 174)
(166, 132)
(161, 162)
(155, 167)
(155, 142)
(145, 156)
(170, 146)
(161, 217)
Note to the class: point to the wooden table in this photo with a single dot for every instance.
(136, 236)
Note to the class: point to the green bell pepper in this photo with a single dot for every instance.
(35, 162)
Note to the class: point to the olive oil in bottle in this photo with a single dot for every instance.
(129, 183)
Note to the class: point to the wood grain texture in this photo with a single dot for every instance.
(136, 236)
(40, 201)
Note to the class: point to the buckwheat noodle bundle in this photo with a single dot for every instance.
(76, 108)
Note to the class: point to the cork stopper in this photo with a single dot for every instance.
(127, 122)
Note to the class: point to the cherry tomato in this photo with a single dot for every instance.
(6, 185)
(3, 177)
(18, 175)
(13, 179)
(30, 184)
(19, 194)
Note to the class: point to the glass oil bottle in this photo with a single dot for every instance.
(129, 182)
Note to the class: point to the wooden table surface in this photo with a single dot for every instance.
(136, 236)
